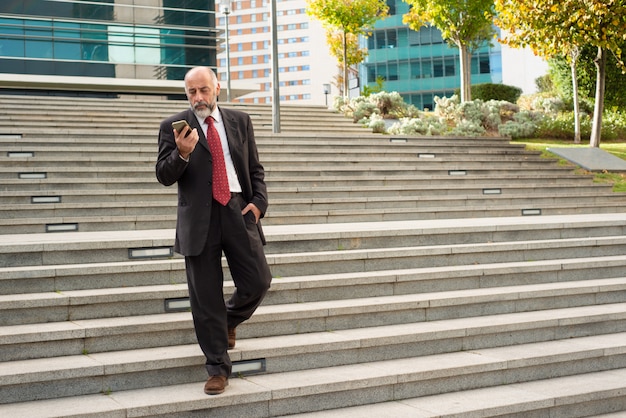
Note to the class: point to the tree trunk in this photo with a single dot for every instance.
(466, 73)
(346, 91)
(598, 109)
(574, 55)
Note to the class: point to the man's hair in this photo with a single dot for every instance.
(203, 69)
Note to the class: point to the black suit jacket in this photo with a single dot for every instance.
(194, 178)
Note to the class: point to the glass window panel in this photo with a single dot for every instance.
(436, 36)
(392, 69)
(11, 38)
(392, 39)
(414, 37)
(381, 71)
(416, 69)
(438, 67)
(450, 69)
(371, 74)
(38, 36)
(425, 35)
(485, 66)
(427, 69)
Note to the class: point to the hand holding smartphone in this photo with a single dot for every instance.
(179, 125)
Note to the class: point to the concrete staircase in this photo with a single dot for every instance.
(414, 277)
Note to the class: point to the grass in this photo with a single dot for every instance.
(616, 148)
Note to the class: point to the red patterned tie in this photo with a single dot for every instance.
(221, 190)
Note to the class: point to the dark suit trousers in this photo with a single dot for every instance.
(238, 237)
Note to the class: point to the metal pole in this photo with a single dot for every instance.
(275, 82)
(227, 13)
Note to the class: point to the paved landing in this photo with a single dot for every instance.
(590, 158)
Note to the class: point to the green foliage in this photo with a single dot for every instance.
(615, 89)
(350, 17)
(466, 23)
(491, 91)
(537, 116)
(425, 125)
(367, 90)
(544, 84)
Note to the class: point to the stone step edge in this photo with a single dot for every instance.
(340, 229)
(115, 362)
(249, 347)
(329, 308)
(170, 201)
(314, 383)
(456, 272)
(331, 216)
(516, 399)
(363, 254)
(352, 190)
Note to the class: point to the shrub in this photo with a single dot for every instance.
(561, 126)
(467, 128)
(537, 115)
(490, 91)
(418, 126)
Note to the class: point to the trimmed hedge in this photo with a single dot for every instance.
(490, 91)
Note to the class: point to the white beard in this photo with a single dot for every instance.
(202, 113)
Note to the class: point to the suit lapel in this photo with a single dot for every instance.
(230, 122)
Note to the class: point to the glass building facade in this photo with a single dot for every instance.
(136, 39)
(420, 64)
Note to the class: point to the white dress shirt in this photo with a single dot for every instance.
(233, 182)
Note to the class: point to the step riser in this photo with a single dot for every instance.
(182, 333)
(366, 254)
(137, 222)
(70, 196)
(159, 208)
(68, 307)
(188, 370)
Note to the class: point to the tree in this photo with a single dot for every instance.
(615, 93)
(354, 54)
(563, 27)
(350, 17)
(466, 24)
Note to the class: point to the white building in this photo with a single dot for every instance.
(304, 61)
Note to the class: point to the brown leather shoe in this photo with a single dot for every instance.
(215, 385)
(232, 338)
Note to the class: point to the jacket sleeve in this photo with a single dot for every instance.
(257, 172)
(169, 166)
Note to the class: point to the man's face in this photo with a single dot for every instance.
(202, 91)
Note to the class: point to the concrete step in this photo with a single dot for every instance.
(82, 158)
(113, 246)
(290, 392)
(588, 395)
(166, 221)
(331, 142)
(77, 248)
(156, 192)
(41, 180)
(298, 316)
(55, 207)
(65, 338)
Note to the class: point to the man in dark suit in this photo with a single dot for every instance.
(206, 227)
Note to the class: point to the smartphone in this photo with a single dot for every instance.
(179, 125)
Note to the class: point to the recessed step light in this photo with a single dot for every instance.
(32, 176)
(531, 212)
(150, 252)
(45, 199)
(20, 154)
(61, 227)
